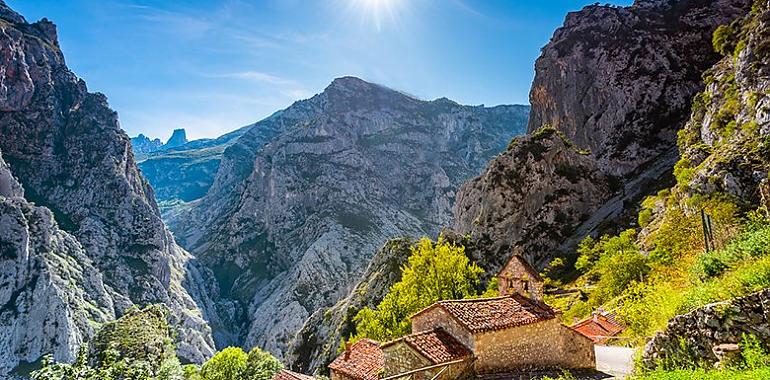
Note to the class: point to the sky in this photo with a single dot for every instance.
(213, 66)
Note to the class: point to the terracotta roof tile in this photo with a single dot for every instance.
(285, 374)
(487, 314)
(365, 361)
(599, 327)
(437, 346)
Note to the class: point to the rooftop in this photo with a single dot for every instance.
(488, 314)
(285, 374)
(435, 345)
(599, 327)
(364, 361)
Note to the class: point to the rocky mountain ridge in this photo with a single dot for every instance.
(303, 199)
(85, 239)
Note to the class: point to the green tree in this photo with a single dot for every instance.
(434, 272)
(262, 365)
(228, 364)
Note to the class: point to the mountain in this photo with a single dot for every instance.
(82, 237)
(611, 90)
(142, 144)
(185, 173)
(303, 199)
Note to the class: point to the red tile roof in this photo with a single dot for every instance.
(285, 374)
(435, 345)
(365, 361)
(487, 314)
(599, 327)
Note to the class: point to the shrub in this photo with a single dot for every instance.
(722, 39)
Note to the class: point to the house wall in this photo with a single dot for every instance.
(438, 317)
(400, 358)
(514, 278)
(546, 344)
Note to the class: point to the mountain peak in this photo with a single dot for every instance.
(178, 138)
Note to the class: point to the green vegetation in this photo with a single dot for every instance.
(723, 39)
(434, 271)
(138, 346)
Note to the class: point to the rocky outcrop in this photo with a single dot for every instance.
(142, 144)
(698, 336)
(178, 138)
(725, 145)
(304, 199)
(618, 81)
(67, 150)
(531, 196)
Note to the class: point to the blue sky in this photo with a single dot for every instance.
(213, 66)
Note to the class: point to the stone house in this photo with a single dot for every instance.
(519, 277)
(432, 354)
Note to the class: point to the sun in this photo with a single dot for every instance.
(378, 12)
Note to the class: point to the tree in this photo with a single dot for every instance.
(262, 365)
(228, 364)
(434, 272)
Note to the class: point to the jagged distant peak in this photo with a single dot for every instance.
(178, 138)
(350, 86)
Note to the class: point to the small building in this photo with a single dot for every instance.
(600, 327)
(518, 276)
(285, 374)
(362, 360)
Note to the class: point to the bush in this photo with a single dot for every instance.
(722, 40)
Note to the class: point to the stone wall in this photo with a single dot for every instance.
(400, 358)
(336, 375)
(516, 278)
(547, 344)
(692, 337)
(438, 317)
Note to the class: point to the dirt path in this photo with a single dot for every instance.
(615, 361)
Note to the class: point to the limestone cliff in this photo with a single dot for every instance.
(617, 84)
(102, 246)
(303, 200)
(619, 81)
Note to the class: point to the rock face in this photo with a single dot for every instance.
(619, 80)
(698, 336)
(304, 199)
(617, 84)
(102, 246)
(540, 178)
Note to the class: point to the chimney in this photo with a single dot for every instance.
(347, 349)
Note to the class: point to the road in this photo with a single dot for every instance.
(615, 361)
